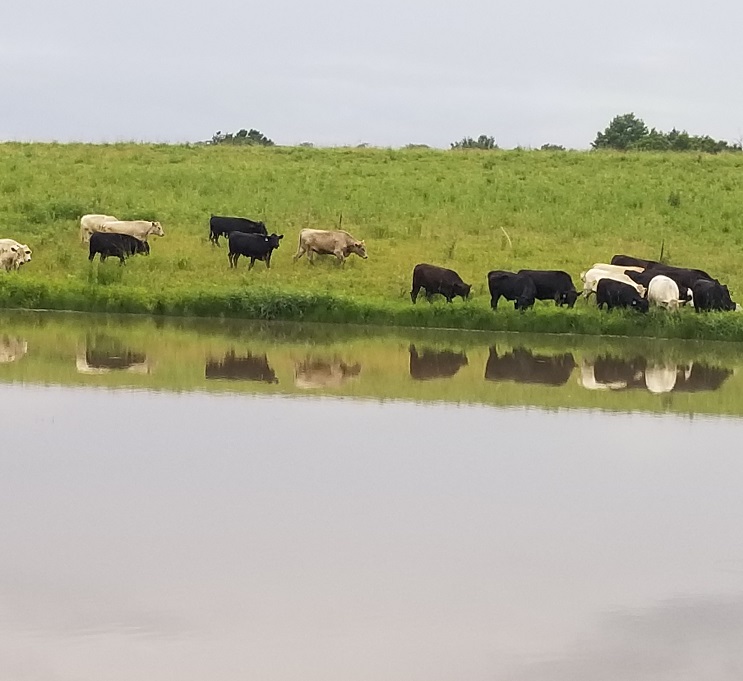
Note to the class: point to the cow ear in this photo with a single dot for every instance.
(14, 249)
(281, 236)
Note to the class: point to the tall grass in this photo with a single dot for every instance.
(560, 210)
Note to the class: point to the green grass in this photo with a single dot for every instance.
(561, 210)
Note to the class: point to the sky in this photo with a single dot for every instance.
(382, 72)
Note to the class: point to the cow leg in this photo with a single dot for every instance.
(268, 261)
(494, 302)
(300, 252)
(414, 293)
(252, 262)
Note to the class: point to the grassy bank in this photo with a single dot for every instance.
(563, 210)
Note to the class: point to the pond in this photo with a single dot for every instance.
(190, 499)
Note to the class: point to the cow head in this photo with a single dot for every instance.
(142, 247)
(569, 297)
(358, 248)
(274, 239)
(640, 304)
(157, 229)
(462, 290)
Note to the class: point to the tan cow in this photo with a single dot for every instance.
(328, 242)
(93, 223)
(139, 229)
(11, 259)
(323, 373)
(14, 254)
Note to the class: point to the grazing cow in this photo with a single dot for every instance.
(619, 269)
(592, 277)
(139, 229)
(663, 292)
(683, 276)
(12, 258)
(553, 285)
(19, 253)
(711, 295)
(315, 372)
(522, 366)
(435, 279)
(517, 287)
(644, 278)
(618, 294)
(93, 223)
(220, 225)
(95, 363)
(429, 363)
(328, 242)
(253, 246)
(248, 368)
(632, 261)
(120, 246)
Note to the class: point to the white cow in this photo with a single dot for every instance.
(328, 242)
(15, 254)
(140, 229)
(587, 379)
(619, 269)
(664, 292)
(11, 259)
(591, 279)
(93, 223)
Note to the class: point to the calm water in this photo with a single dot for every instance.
(189, 501)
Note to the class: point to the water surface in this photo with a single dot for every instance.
(189, 501)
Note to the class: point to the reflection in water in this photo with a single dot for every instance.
(431, 363)
(316, 372)
(248, 368)
(614, 373)
(104, 354)
(522, 366)
(12, 349)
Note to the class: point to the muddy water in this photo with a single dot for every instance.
(190, 501)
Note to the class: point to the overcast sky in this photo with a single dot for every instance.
(384, 72)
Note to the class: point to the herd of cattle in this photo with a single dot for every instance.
(626, 282)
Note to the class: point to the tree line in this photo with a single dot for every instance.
(625, 132)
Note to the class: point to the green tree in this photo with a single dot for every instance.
(242, 136)
(624, 132)
(482, 142)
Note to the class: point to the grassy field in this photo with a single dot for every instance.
(561, 210)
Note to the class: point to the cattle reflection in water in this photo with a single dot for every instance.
(431, 363)
(315, 372)
(104, 355)
(523, 366)
(248, 368)
(613, 373)
(12, 349)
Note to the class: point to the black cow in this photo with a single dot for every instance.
(434, 363)
(253, 246)
(435, 279)
(683, 276)
(517, 287)
(609, 370)
(117, 245)
(631, 261)
(553, 285)
(711, 295)
(646, 277)
(248, 368)
(522, 366)
(618, 294)
(220, 225)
